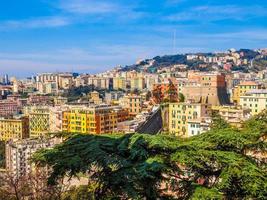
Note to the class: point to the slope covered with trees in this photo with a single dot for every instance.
(224, 163)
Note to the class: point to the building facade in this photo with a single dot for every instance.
(93, 120)
(255, 100)
(181, 113)
(14, 128)
(19, 152)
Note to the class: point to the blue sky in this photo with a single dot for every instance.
(95, 35)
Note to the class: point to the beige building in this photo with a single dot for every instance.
(242, 89)
(119, 83)
(206, 88)
(133, 103)
(234, 115)
(99, 82)
(255, 100)
(137, 83)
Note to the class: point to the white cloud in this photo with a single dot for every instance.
(88, 6)
(213, 13)
(43, 22)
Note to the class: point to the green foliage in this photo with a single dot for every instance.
(2, 154)
(181, 97)
(80, 193)
(214, 165)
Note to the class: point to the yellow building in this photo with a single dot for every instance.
(93, 120)
(181, 113)
(119, 83)
(137, 83)
(243, 88)
(255, 100)
(14, 128)
(39, 120)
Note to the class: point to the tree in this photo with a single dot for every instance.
(157, 94)
(222, 163)
(181, 97)
(30, 186)
(172, 93)
(2, 154)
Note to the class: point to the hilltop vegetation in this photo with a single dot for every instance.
(224, 163)
(170, 60)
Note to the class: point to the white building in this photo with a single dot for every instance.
(19, 152)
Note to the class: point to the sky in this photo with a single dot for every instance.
(91, 36)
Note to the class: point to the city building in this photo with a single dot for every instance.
(137, 83)
(100, 82)
(59, 100)
(206, 88)
(9, 108)
(133, 103)
(39, 120)
(14, 128)
(94, 119)
(255, 100)
(113, 97)
(242, 89)
(198, 126)
(119, 83)
(95, 98)
(234, 115)
(19, 152)
(39, 100)
(181, 113)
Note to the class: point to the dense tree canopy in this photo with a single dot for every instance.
(2, 154)
(224, 163)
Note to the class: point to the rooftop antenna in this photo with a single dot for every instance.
(174, 42)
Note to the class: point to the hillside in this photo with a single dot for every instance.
(151, 65)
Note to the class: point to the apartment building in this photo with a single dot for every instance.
(100, 82)
(181, 113)
(206, 88)
(137, 83)
(113, 97)
(198, 126)
(39, 120)
(133, 103)
(62, 80)
(39, 100)
(242, 89)
(234, 115)
(14, 128)
(255, 100)
(94, 119)
(9, 108)
(19, 152)
(119, 83)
